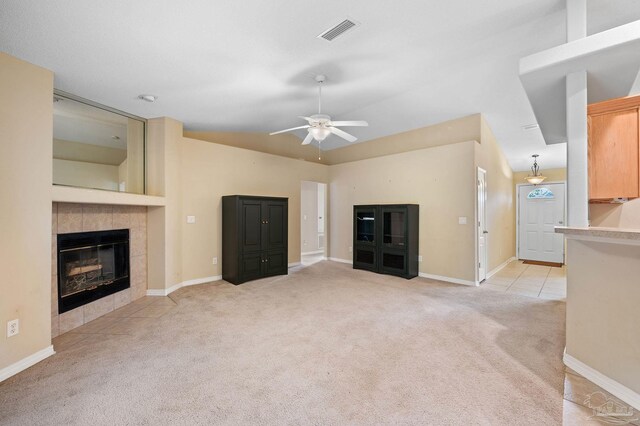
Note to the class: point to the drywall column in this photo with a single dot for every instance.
(576, 19)
(577, 162)
(576, 96)
(164, 238)
(26, 135)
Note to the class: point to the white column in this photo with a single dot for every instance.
(576, 19)
(576, 97)
(577, 171)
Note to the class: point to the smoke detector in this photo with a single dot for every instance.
(147, 98)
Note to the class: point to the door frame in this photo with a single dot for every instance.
(518, 188)
(475, 227)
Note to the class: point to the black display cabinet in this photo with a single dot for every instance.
(385, 239)
(254, 237)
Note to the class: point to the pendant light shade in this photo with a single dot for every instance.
(535, 177)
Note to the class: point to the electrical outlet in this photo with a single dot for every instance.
(13, 327)
(191, 219)
(419, 258)
(350, 249)
(215, 260)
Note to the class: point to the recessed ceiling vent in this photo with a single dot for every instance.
(337, 30)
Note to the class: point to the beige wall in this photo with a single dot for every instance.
(453, 131)
(284, 144)
(500, 206)
(164, 223)
(25, 217)
(440, 179)
(86, 175)
(626, 215)
(210, 171)
(309, 216)
(602, 309)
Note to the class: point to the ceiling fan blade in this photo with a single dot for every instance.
(354, 123)
(309, 119)
(308, 139)
(288, 130)
(343, 134)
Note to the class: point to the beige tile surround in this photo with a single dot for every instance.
(68, 217)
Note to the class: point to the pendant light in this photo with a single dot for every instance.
(535, 177)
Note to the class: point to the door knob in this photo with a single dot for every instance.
(560, 222)
(485, 232)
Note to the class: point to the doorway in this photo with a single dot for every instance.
(540, 209)
(313, 203)
(481, 230)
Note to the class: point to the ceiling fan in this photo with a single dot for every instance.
(320, 125)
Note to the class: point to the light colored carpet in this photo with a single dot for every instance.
(324, 345)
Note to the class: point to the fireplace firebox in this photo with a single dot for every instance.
(91, 265)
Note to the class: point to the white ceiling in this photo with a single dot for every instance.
(249, 65)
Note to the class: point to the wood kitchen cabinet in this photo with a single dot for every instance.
(614, 149)
(254, 237)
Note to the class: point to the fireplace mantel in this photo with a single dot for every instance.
(69, 194)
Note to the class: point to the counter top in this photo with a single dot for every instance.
(630, 235)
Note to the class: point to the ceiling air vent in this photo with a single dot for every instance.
(337, 30)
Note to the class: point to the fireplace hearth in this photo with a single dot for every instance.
(91, 265)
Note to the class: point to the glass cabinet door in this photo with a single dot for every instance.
(393, 228)
(365, 226)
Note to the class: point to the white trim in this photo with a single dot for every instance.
(25, 363)
(499, 267)
(294, 264)
(475, 224)
(337, 259)
(448, 279)
(616, 389)
(306, 253)
(168, 291)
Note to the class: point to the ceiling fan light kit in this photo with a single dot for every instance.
(320, 125)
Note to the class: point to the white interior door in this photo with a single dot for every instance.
(482, 225)
(541, 208)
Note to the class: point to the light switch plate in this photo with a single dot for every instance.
(462, 220)
(191, 219)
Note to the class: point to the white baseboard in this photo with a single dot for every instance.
(307, 253)
(294, 264)
(499, 267)
(614, 388)
(168, 291)
(447, 279)
(25, 363)
(336, 259)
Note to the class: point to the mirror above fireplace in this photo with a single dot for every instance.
(97, 147)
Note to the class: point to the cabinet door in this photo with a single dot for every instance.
(394, 227)
(275, 262)
(275, 229)
(613, 154)
(365, 258)
(364, 225)
(251, 230)
(251, 266)
(393, 262)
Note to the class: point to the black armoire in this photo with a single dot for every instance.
(254, 237)
(385, 239)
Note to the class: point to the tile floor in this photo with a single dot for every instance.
(544, 282)
(130, 319)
